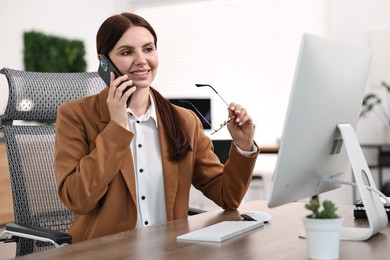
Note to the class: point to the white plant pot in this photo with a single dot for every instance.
(323, 238)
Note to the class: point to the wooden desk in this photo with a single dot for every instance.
(276, 240)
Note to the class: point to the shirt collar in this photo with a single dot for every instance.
(151, 112)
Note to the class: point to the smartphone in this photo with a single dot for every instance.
(106, 66)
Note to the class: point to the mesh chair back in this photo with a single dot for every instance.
(36, 95)
(30, 148)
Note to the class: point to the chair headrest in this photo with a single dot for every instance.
(37, 95)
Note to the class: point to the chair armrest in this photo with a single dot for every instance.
(57, 238)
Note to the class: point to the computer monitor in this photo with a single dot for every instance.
(319, 139)
(200, 106)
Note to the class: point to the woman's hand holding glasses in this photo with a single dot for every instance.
(239, 123)
(241, 127)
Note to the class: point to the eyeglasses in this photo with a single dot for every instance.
(221, 125)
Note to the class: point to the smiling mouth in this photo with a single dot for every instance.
(140, 73)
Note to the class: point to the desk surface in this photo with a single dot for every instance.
(276, 240)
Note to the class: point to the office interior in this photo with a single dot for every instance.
(245, 49)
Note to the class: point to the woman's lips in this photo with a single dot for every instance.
(140, 74)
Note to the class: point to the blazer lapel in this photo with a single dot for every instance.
(127, 171)
(127, 167)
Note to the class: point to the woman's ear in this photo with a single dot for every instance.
(99, 57)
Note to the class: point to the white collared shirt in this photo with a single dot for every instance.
(145, 148)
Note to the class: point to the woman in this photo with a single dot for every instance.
(120, 168)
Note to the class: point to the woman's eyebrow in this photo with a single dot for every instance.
(131, 47)
(125, 47)
(148, 44)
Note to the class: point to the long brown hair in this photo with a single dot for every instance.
(108, 35)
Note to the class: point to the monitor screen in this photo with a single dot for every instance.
(203, 105)
(328, 89)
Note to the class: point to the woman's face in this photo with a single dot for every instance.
(135, 54)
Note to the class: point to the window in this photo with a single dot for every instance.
(245, 49)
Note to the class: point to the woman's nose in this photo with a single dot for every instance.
(140, 59)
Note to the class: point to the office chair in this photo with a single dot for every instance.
(41, 220)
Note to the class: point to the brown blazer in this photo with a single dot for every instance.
(95, 173)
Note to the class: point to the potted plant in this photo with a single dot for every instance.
(322, 228)
(372, 101)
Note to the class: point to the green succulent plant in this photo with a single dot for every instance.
(328, 210)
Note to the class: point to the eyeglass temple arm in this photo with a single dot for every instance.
(207, 85)
(204, 118)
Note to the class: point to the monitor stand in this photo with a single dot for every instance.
(375, 210)
(376, 214)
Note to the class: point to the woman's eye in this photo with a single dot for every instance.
(149, 49)
(126, 53)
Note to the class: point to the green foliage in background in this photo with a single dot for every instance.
(372, 101)
(46, 53)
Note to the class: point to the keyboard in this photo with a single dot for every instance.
(221, 231)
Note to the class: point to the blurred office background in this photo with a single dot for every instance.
(246, 49)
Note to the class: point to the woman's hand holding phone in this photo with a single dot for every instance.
(120, 90)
